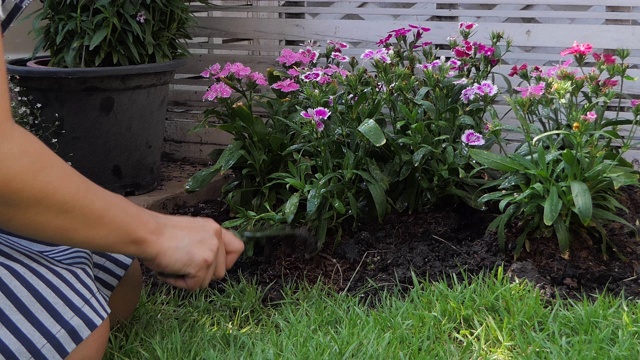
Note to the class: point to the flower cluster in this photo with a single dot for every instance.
(347, 136)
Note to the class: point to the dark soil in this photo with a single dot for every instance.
(446, 241)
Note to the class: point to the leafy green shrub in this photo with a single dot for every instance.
(563, 179)
(324, 144)
(81, 33)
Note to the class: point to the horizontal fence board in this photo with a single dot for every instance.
(609, 36)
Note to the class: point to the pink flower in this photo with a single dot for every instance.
(286, 85)
(468, 94)
(212, 70)
(293, 72)
(338, 44)
(338, 56)
(467, 26)
(635, 102)
(486, 88)
(313, 75)
(607, 59)
(577, 49)
(217, 90)
(333, 69)
(317, 115)
(431, 66)
(472, 138)
(379, 54)
(288, 57)
(239, 70)
(141, 17)
(515, 69)
(258, 78)
(422, 44)
(532, 91)
(590, 116)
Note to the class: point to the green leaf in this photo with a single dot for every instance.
(313, 200)
(495, 161)
(418, 155)
(564, 237)
(291, 207)
(98, 37)
(372, 131)
(201, 179)
(338, 205)
(230, 155)
(552, 207)
(582, 201)
(379, 198)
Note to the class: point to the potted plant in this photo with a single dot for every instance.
(106, 81)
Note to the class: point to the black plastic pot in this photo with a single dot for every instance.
(111, 119)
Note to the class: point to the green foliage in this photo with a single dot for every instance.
(324, 145)
(564, 178)
(83, 33)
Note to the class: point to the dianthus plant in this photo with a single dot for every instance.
(329, 137)
(564, 178)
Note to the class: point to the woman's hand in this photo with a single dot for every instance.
(194, 251)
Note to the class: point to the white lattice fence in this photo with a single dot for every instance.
(254, 32)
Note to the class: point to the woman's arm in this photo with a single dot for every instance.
(42, 197)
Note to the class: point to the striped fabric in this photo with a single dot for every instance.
(10, 10)
(52, 297)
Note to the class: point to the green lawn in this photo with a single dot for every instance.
(485, 318)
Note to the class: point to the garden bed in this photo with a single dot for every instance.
(448, 240)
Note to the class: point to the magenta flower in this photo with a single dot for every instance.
(422, 44)
(431, 66)
(516, 70)
(420, 28)
(400, 32)
(467, 26)
(379, 54)
(590, 116)
(286, 85)
(317, 115)
(211, 71)
(217, 90)
(313, 75)
(333, 69)
(472, 138)
(293, 72)
(607, 59)
(384, 40)
(635, 102)
(338, 56)
(577, 49)
(532, 91)
(338, 44)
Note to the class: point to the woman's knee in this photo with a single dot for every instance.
(126, 295)
(94, 346)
